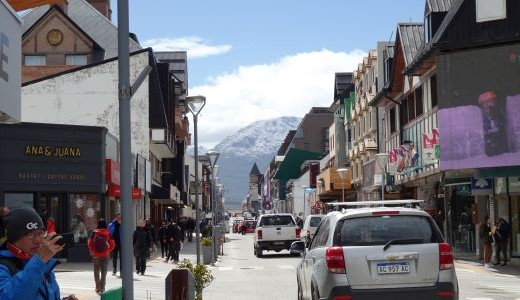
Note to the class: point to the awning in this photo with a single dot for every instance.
(291, 164)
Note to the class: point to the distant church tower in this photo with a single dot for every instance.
(254, 203)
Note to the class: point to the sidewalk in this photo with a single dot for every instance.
(149, 286)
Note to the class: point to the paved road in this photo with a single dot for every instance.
(239, 274)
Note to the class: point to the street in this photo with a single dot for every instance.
(240, 274)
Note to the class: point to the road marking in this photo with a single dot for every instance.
(465, 270)
(286, 267)
(504, 275)
(225, 268)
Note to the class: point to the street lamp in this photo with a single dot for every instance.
(341, 172)
(195, 105)
(213, 157)
(382, 159)
(304, 187)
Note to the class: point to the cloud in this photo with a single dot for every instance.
(196, 47)
(290, 86)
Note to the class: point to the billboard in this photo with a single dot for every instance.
(479, 108)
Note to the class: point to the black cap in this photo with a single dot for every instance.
(20, 221)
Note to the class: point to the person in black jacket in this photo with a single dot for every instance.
(501, 236)
(161, 235)
(142, 241)
(173, 236)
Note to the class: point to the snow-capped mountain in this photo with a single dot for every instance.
(255, 143)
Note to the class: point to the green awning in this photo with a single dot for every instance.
(290, 166)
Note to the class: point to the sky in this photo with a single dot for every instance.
(256, 60)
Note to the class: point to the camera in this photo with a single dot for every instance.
(66, 239)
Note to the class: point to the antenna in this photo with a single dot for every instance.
(391, 34)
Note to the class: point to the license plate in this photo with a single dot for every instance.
(393, 268)
(279, 243)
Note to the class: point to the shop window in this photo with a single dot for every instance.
(84, 214)
(13, 200)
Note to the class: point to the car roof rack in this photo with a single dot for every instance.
(412, 203)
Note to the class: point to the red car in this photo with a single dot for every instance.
(250, 226)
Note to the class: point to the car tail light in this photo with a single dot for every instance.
(385, 213)
(448, 294)
(298, 231)
(342, 298)
(445, 256)
(335, 260)
(259, 234)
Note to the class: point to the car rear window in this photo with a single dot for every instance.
(277, 220)
(315, 221)
(379, 230)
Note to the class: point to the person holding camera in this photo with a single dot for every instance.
(26, 259)
(100, 244)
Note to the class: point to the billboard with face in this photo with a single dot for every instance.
(479, 107)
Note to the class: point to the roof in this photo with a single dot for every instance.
(437, 6)
(342, 85)
(411, 38)
(290, 166)
(91, 21)
(254, 170)
(178, 61)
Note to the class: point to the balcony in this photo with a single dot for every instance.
(331, 186)
(370, 144)
(161, 143)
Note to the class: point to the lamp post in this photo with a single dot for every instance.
(213, 157)
(195, 105)
(382, 159)
(304, 187)
(341, 172)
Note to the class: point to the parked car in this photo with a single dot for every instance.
(250, 225)
(236, 225)
(377, 253)
(309, 227)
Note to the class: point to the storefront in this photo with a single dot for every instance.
(58, 170)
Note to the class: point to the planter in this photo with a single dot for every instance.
(207, 252)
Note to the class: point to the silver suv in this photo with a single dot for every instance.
(377, 253)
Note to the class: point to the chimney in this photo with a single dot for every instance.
(103, 6)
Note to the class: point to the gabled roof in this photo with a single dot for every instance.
(91, 21)
(410, 37)
(437, 6)
(254, 170)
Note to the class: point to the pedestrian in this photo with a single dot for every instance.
(501, 235)
(4, 211)
(486, 238)
(173, 235)
(190, 227)
(100, 244)
(28, 254)
(151, 229)
(115, 234)
(182, 226)
(299, 221)
(161, 235)
(142, 242)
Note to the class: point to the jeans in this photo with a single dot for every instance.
(100, 272)
(115, 254)
(140, 264)
(501, 246)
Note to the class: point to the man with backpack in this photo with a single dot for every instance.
(114, 229)
(100, 244)
(26, 259)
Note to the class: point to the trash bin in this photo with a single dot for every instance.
(113, 294)
(179, 285)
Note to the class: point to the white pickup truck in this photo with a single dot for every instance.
(275, 232)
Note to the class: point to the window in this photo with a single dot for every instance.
(76, 59)
(392, 120)
(418, 101)
(427, 29)
(433, 86)
(35, 60)
(411, 108)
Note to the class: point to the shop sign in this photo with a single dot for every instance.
(112, 172)
(481, 186)
(52, 151)
(114, 190)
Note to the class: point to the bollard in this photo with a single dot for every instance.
(113, 294)
(179, 285)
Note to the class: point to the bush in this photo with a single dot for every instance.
(205, 231)
(201, 273)
(206, 241)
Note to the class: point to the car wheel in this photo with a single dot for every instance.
(258, 252)
(254, 250)
(315, 295)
